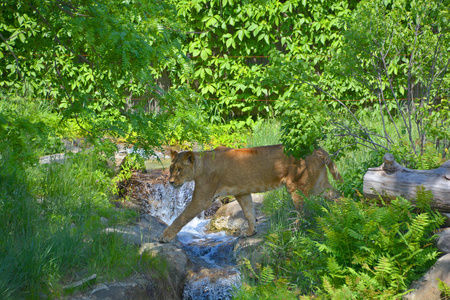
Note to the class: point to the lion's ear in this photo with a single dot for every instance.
(173, 154)
(189, 157)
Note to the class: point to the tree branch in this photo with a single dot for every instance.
(14, 55)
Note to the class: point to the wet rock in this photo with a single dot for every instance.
(215, 206)
(212, 284)
(151, 194)
(231, 219)
(252, 248)
(427, 287)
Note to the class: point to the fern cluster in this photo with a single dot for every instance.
(374, 251)
(346, 249)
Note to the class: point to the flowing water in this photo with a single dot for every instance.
(215, 275)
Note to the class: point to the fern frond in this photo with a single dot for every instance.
(267, 275)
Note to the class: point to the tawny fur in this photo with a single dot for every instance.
(240, 172)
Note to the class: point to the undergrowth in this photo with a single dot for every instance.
(53, 216)
(52, 232)
(345, 249)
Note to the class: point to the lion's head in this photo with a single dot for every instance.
(182, 167)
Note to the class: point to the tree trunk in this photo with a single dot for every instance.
(391, 180)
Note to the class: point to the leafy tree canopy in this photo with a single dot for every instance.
(89, 59)
(391, 63)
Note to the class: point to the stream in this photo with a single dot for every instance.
(214, 274)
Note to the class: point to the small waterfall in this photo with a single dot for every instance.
(215, 274)
(167, 203)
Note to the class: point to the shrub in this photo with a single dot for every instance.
(347, 249)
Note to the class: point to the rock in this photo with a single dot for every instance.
(443, 241)
(216, 205)
(427, 286)
(446, 220)
(118, 161)
(230, 217)
(167, 284)
(174, 255)
(212, 284)
(252, 248)
(54, 158)
(81, 282)
(146, 230)
(139, 287)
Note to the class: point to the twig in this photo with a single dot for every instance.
(15, 57)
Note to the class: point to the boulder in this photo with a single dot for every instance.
(231, 218)
(443, 241)
(168, 285)
(147, 229)
(428, 286)
(138, 287)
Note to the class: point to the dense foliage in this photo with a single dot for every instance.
(340, 74)
(344, 250)
(97, 63)
(232, 45)
(392, 66)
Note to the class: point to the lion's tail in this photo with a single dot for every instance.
(331, 165)
(334, 171)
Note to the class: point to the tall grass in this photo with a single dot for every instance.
(51, 229)
(265, 132)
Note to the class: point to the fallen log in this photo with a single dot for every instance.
(392, 179)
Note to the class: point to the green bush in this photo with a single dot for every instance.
(376, 251)
(51, 231)
(346, 249)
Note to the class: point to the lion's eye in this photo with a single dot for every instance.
(178, 171)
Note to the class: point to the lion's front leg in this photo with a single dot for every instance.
(197, 205)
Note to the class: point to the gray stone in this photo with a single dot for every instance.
(427, 287)
(176, 258)
(443, 241)
(231, 218)
(447, 219)
(138, 287)
(147, 229)
(145, 234)
(54, 158)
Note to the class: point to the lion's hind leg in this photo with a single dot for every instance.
(297, 194)
(246, 203)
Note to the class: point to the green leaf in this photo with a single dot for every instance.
(22, 37)
(252, 27)
(204, 54)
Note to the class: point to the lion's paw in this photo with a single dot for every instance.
(165, 237)
(248, 233)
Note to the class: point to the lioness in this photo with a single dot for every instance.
(239, 172)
